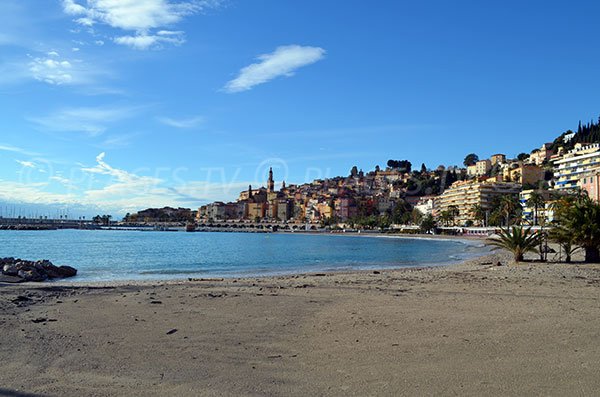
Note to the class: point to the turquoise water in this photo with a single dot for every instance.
(134, 255)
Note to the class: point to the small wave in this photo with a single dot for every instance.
(173, 271)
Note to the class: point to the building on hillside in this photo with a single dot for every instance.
(538, 156)
(480, 168)
(525, 174)
(425, 205)
(345, 208)
(466, 195)
(497, 159)
(569, 169)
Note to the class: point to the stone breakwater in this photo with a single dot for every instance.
(19, 270)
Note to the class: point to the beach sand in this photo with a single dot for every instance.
(470, 329)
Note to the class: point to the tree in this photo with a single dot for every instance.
(510, 207)
(581, 218)
(522, 156)
(354, 172)
(445, 217)
(400, 165)
(453, 212)
(564, 238)
(478, 214)
(516, 240)
(536, 201)
(401, 214)
(427, 224)
(423, 168)
(471, 159)
(416, 216)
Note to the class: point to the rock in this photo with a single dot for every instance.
(52, 271)
(172, 331)
(10, 270)
(10, 279)
(25, 270)
(67, 271)
(32, 275)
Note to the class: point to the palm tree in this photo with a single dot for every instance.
(536, 201)
(510, 207)
(564, 238)
(454, 212)
(444, 217)
(582, 220)
(478, 214)
(517, 240)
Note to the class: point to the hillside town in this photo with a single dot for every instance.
(494, 191)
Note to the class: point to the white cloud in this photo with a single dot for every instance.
(26, 164)
(138, 16)
(182, 123)
(31, 193)
(114, 190)
(51, 70)
(284, 61)
(92, 121)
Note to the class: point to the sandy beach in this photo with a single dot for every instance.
(469, 329)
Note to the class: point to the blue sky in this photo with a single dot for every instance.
(118, 105)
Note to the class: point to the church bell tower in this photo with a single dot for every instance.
(270, 182)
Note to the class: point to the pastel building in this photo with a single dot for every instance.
(465, 195)
(479, 168)
(576, 164)
(497, 159)
(538, 156)
(591, 184)
(523, 173)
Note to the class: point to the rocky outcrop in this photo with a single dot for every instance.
(19, 270)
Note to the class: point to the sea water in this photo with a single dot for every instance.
(118, 255)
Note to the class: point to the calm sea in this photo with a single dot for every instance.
(138, 255)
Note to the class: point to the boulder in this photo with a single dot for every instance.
(32, 275)
(10, 270)
(52, 271)
(67, 271)
(41, 270)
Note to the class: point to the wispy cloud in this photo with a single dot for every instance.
(284, 61)
(124, 179)
(15, 149)
(26, 164)
(146, 41)
(91, 121)
(141, 17)
(66, 182)
(191, 122)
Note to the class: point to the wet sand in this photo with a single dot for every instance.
(470, 329)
